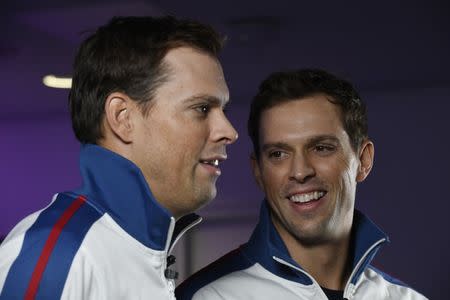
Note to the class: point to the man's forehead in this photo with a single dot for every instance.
(191, 65)
(192, 75)
(188, 57)
(304, 120)
(312, 111)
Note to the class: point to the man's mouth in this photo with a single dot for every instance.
(307, 197)
(212, 162)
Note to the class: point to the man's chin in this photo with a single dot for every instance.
(306, 232)
(204, 197)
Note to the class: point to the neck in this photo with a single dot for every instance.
(123, 149)
(328, 263)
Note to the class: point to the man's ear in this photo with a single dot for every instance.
(366, 155)
(256, 171)
(118, 110)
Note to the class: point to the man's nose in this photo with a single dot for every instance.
(224, 131)
(301, 168)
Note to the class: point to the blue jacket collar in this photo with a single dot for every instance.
(265, 244)
(115, 185)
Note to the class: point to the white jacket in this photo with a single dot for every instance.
(108, 240)
(262, 269)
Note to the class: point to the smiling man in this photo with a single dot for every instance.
(147, 104)
(311, 148)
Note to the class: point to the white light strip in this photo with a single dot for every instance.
(57, 82)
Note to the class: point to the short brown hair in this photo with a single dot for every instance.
(126, 56)
(281, 87)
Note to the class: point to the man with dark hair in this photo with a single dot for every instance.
(147, 104)
(311, 148)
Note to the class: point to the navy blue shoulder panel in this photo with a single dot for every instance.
(231, 262)
(56, 270)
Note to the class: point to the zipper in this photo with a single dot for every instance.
(199, 219)
(350, 288)
(169, 233)
(170, 283)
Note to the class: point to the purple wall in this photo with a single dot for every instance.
(39, 157)
(396, 53)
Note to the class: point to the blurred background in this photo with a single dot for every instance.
(396, 54)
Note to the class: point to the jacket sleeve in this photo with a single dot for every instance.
(83, 280)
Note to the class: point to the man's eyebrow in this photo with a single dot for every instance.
(279, 145)
(208, 98)
(311, 141)
(322, 138)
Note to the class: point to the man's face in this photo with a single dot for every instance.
(308, 170)
(181, 143)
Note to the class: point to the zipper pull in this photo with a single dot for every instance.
(169, 273)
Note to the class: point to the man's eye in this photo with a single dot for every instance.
(324, 148)
(276, 154)
(204, 109)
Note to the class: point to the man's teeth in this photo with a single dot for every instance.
(307, 197)
(214, 162)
